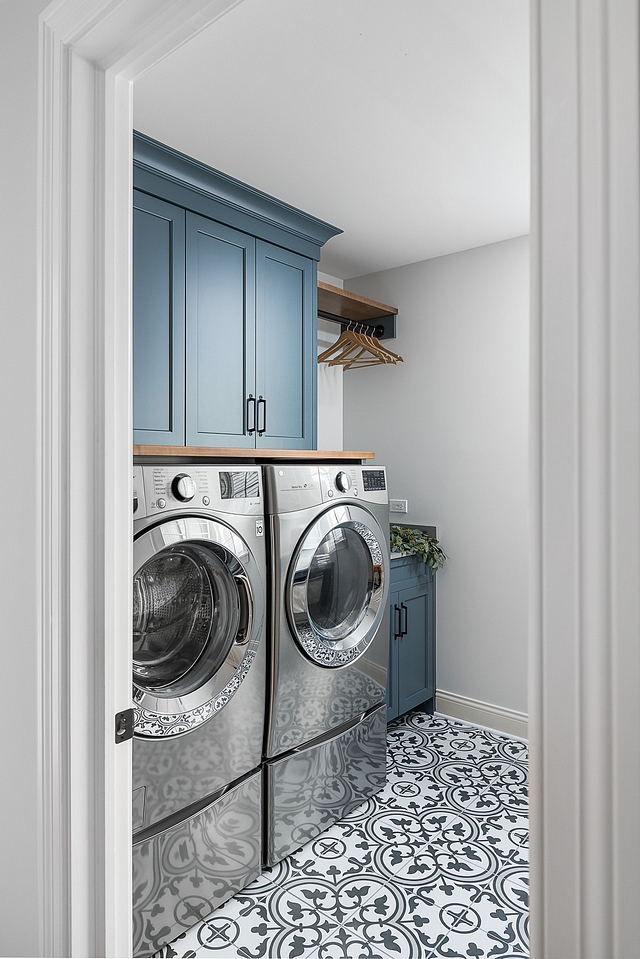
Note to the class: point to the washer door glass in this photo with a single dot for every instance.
(198, 613)
(186, 613)
(337, 586)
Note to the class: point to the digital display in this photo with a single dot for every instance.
(373, 480)
(239, 485)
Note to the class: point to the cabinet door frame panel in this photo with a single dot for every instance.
(268, 383)
(174, 435)
(411, 581)
(392, 674)
(199, 226)
(415, 639)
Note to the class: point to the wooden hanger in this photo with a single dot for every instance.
(363, 350)
(345, 342)
(353, 349)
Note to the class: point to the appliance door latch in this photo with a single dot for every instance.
(124, 725)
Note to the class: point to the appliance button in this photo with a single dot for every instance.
(343, 483)
(355, 492)
(161, 503)
(183, 487)
(205, 500)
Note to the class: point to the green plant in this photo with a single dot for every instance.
(406, 539)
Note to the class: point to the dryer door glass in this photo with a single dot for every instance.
(339, 583)
(186, 617)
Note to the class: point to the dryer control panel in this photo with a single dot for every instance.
(296, 487)
(373, 480)
(223, 489)
(367, 484)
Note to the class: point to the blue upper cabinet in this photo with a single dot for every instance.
(158, 329)
(220, 335)
(286, 334)
(225, 309)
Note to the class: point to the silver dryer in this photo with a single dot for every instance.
(325, 743)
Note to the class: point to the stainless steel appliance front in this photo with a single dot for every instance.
(310, 788)
(199, 665)
(182, 872)
(329, 587)
(329, 622)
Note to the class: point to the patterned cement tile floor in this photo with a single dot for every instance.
(435, 865)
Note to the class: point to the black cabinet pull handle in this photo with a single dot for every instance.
(262, 402)
(404, 629)
(251, 414)
(398, 622)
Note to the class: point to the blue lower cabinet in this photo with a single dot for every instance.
(412, 647)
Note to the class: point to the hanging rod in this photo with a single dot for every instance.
(368, 329)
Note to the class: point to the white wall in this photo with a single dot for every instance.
(19, 847)
(451, 425)
(329, 383)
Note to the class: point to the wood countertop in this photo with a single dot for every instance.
(199, 453)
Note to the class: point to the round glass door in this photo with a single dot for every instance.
(198, 608)
(337, 586)
(186, 612)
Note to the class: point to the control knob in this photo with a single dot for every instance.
(183, 487)
(343, 483)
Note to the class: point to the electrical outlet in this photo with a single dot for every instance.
(398, 506)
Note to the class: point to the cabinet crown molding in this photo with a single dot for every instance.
(193, 177)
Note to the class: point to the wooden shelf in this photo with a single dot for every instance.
(337, 304)
(185, 453)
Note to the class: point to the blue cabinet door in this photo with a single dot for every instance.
(224, 335)
(158, 322)
(286, 337)
(415, 676)
(220, 335)
(412, 648)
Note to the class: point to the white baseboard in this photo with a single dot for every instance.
(482, 714)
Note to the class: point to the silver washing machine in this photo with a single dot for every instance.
(199, 675)
(325, 742)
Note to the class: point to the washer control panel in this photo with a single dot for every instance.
(225, 489)
(139, 505)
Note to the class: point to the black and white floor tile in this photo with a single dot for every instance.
(435, 865)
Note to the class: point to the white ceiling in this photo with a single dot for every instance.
(404, 122)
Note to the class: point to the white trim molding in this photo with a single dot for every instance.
(482, 714)
(90, 52)
(584, 702)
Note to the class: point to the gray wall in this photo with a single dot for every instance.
(451, 425)
(19, 750)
